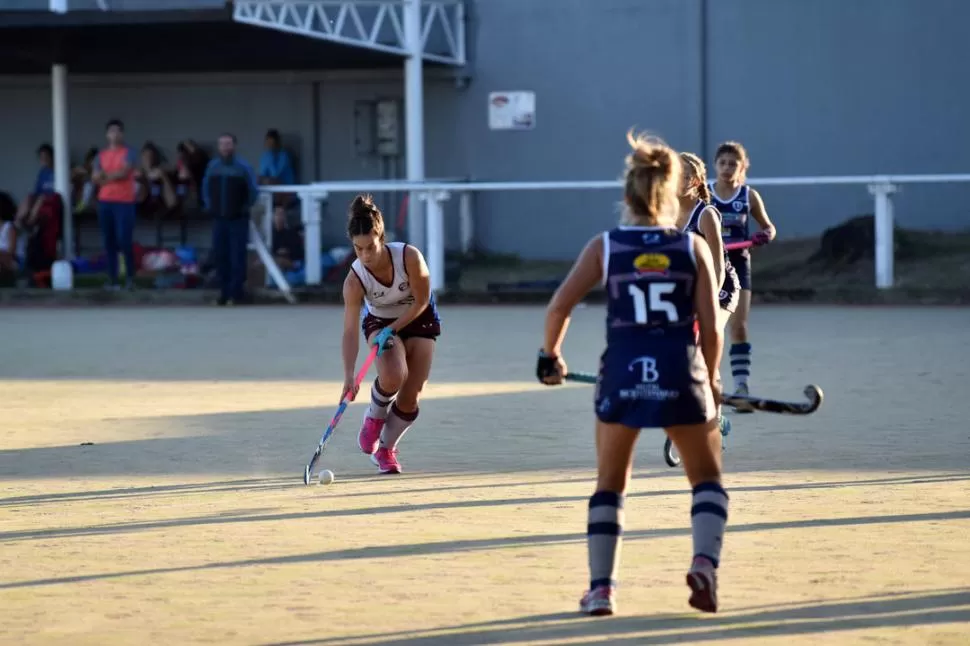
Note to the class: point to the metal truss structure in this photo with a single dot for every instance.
(372, 24)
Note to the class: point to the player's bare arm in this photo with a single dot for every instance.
(710, 226)
(353, 294)
(705, 304)
(759, 213)
(420, 278)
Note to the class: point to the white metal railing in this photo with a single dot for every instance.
(434, 193)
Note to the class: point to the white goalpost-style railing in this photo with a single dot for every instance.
(433, 195)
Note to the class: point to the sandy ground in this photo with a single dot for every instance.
(186, 521)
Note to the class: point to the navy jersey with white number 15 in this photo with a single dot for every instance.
(649, 275)
(652, 373)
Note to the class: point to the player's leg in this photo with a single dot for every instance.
(392, 371)
(404, 411)
(699, 446)
(604, 525)
(723, 317)
(740, 351)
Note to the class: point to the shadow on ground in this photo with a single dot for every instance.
(905, 610)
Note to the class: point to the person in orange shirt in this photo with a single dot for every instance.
(114, 169)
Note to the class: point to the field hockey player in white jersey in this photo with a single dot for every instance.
(392, 278)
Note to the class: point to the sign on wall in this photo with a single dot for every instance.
(512, 110)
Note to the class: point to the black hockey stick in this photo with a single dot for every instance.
(812, 392)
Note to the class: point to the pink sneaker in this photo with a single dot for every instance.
(598, 602)
(386, 461)
(702, 581)
(370, 434)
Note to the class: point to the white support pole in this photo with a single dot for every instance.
(883, 226)
(436, 237)
(310, 215)
(62, 153)
(466, 221)
(414, 116)
(266, 202)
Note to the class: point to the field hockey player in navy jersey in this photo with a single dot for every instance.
(657, 371)
(737, 203)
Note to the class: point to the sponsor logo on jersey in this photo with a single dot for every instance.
(403, 286)
(651, 263)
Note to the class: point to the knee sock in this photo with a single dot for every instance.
(708, 516)
(379, 401)
(740, 363)
(604, 529)
(398, 423)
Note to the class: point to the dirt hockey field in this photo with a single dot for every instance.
(185, 521)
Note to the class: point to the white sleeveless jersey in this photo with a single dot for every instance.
(387, 301)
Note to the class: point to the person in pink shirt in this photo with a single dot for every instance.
(114, 169)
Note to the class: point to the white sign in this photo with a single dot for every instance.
(512, 110)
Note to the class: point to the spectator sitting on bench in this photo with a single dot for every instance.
(26, 218)
(190, 169)
(9, 265)
(155, 191)
(83, 190)
(288, 248)
(276, 168)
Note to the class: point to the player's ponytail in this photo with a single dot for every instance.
(695, 169)
(364, 218)
(652, 182)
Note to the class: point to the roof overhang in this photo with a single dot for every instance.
(251, 35)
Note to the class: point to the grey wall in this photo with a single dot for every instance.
(827, 87)
(811, 88)
(834, 87)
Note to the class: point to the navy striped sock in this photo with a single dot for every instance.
(708, 516)
(603, 531)
(740, 363)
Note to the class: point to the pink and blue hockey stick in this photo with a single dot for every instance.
(344, 402)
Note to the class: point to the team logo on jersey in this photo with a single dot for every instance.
(738, 205)
(379, 294)
(648, 388)
(647, 367)
(403, 286)
(651, 263)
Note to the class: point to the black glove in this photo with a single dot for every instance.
(546, 366)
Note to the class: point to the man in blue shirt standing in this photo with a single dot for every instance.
(275, 166)
(228, 193)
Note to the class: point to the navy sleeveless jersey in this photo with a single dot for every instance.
(730, 286)
(735, 214)
(649, 276)
(652, 373)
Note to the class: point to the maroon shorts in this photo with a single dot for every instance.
(427, 325)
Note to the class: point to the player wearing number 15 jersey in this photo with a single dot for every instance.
(656, 370)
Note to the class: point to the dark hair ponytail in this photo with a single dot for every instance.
(364, 218)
